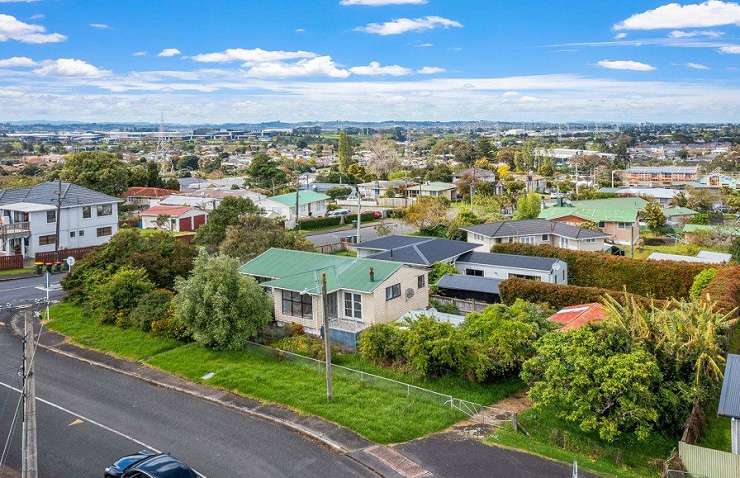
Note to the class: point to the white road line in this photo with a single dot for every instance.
(93, 422)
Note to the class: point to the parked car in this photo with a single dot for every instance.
(147, 464)
(338, 212)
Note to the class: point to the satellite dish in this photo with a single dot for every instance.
(409, 293)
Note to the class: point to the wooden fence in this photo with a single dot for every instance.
(11, 262)
(463, 305)
(700, 461)
(77, 253)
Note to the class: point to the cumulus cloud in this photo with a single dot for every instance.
(168, 52)
(17, 62)
(625, 65)
(380, 3)
(696, 66)
(253, 55)
(374, 68)
(70, 67)
(13, 29)
(711, 13)
(100, 26)
(404, 25)
(731, 49)
(310, 67)
(430, 70)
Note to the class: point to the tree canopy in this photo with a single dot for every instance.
(226, 214)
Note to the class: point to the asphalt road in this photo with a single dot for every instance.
(28, 290)
(89, 416)
(366, 232)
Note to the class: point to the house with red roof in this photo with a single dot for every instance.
(173, 218)
(576, 316)
(145, 196)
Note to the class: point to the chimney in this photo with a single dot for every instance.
(372, 274)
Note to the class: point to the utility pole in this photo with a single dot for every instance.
(58, 218)
(297, 194)
(359, 207)
(29, 468)
(327, 340)
(472, 187)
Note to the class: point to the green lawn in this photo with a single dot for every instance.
(554, 438)
(683, 249)
(377, 411)
(17, 272)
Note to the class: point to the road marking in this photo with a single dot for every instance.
(93, 422)
(76, 421)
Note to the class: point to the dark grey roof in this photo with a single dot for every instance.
(486, 285)
(423, 251)
(533, 226)
(729, 399)
(46, 193)
(508, 260)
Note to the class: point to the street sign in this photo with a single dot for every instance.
(70, 261)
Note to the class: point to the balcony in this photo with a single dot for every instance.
(15, 229)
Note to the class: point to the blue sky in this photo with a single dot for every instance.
(301, 60)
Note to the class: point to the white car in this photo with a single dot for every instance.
(339, 212)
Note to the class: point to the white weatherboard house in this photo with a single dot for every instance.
(535, 232)
(506, 266)
(310, 204)
(28, 218)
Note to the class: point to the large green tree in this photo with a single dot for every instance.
(345, 151)
(253, 234)
(528, 206)
(226, 214)
(96, 170)
(653, 216)
(265, 171)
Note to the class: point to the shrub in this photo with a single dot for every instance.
(152, 306)
(725, 289)
(434, 348)
(169, 328)
(557, 295)
(383, 344)
(112, 301)
(303, 345)
(701, 281)
(659, 279)
(321, 222)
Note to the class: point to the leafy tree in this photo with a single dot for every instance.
(438, 270)
(528, 207)
(439, 173)
(226, 214)
(112, 300)
(254, 234)
(345, 151)
(426, 213)
(188, 162)
(547, 168)
(151, 306)
(653, 216)
(383, 344)
(96, 170)
(701, 281)
(339, 192)
(434, 348)
(221, 308)
(265, 171)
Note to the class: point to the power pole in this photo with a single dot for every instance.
(58, 218)
(29, 467)
(359, 206)
(327, 340)
(297, 194)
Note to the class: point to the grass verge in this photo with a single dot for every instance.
(380, 412)
(555, 438)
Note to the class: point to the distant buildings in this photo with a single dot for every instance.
(661, 175)
(433, 189)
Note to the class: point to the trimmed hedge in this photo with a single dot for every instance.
(725, 289)
(558, 295)
(659, 279)
(321, 222)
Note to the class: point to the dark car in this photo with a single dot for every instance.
(146, 464)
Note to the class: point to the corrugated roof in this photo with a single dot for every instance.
(533, 227)
(716, 258)
(691, 228)
(392, 242)
(678, 211)
(487, 285)
(423, 251)
(509, 260)
(46, 193)
(300, 271)
(433, 186)
(160, 210)
(304, 197)
(729, 399)
(148, 192)
(663, 169)
(578, 315)
(597, 210)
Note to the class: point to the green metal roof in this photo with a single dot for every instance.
(710, 228)
(305, 197)
(598, 210)
(301, 271)
(678, 211)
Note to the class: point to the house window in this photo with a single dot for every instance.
(46, 240)
(525, 276)
(51, 216)
(563, 242)
(86, 212)
(352, 305)
(624, 225)
(498, 240)
(474, 272)
(297, 305)
(71, 234)
(601, 224)
(421, 281)
(545, 237)
(105, 209)
(105, 231)
(392, 292)
(81, 232)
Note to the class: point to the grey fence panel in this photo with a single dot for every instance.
(700, 461)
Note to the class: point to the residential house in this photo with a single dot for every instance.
(663, 196)
(729, 400)
(533, 183)
(478, 174)
(202, 202)
(222, 183)
(677, 215)
(143, 197)
(565, 155)
(617, 217)
(469, 289)
(716, 180)
(535, 232)
(660, 175)
(28, 218)
(506, 266)
(576, 316)
(173, 218)
(413, 250)
(695, 233)
(310, 204)
(361, 292)
(433, 189)
(379, 189)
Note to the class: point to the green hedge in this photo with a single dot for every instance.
(659, 279)
(321, 222)
(557, 295)
(725, 289)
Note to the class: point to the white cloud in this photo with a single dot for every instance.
(380, 3)
(100, 26)
(311, 67)
(695, 33)
(711, 13)
(731, 49)
(253, 55)
(424, 45)
(510, 94)
(620, 36)
(38, 16)
(696, 66)
(168, 52)
(404, 25)
(430, 70)
(300, 30)
(139, 53)
(70, 67)
(625, 65)
(374, 68)
(17, 62)
(13, 29)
